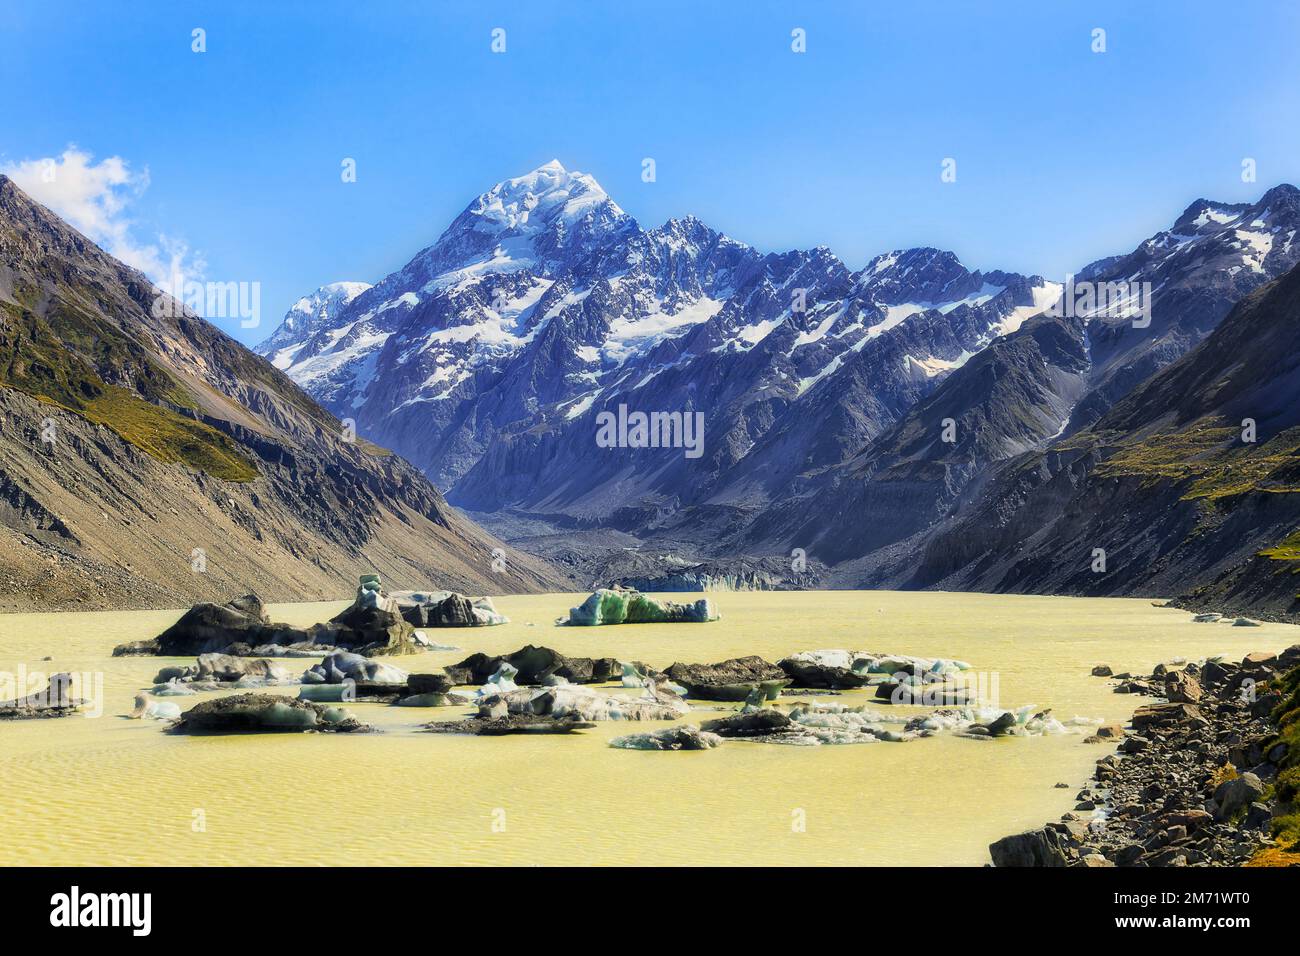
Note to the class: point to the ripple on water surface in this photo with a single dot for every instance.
(114, 791)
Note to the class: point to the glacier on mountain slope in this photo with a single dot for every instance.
(525, 224)
(311, 313)
(544, 303)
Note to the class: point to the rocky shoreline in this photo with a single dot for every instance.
(1202, 776)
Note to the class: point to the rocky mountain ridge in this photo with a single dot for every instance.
(147, 459)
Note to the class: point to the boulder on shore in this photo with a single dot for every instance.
(1182, 688)
(1237, 794)
(1042, 847)
(265, 713)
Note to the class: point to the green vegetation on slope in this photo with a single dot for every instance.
(1286, 789)
(34, 360)
(1216, 465)
(1213, 459)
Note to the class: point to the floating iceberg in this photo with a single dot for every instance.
(608, 606)
(149, 709)
(502, 682)
(986, 722)
(258, 712)
(343, 666)
(684, 737)
(446, 609)
(845, 669)
(585, 703)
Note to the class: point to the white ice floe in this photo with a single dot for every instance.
(586, 703)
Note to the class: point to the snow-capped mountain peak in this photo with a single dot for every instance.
(548, 217)
(487, 356)
(535, 200)
(316, 311)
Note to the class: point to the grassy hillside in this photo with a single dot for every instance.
(34, 360)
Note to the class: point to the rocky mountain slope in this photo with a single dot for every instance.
(147, 459)
(1190, 484)
(1034, 388)
(858, 418)
(488, 358)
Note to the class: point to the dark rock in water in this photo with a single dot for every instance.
(368, 630)
(1043, 847)
(428, 683)
(224, 667)
(208, 627)
(55, 700)
(1001, 724)
(732, 679)
(241, 626)
(1102, 670)
(265, 713)
(812, 674)
(535, 665)
(456, 610)
(998, 727)
(755, 723)
(499, 726)
(446, 609)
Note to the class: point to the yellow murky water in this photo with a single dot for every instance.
(109, 790)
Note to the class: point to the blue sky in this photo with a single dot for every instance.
(1063, 155)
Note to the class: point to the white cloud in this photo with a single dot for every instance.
(95, 198)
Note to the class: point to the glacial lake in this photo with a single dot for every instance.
(110, 791)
